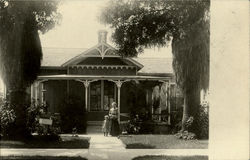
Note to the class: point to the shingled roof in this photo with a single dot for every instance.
(55, 57)
(155, 65)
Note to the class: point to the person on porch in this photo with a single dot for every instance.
(114, 125)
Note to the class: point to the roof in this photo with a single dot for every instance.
(56, 57)
(155, 65)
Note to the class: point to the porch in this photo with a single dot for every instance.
(96, 93)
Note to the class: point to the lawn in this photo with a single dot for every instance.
(40, 158)
(161, 142)
(171, 158)
(47, 142)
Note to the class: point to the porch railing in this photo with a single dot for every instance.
(160, 117)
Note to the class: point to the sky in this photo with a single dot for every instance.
(79, 27)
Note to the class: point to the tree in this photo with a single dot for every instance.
(141, 24)
(20, 49)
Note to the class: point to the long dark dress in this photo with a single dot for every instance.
(114, 125)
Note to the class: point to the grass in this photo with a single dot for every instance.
(171, 158)
(67, 142)
(40, 158)
(161, 142)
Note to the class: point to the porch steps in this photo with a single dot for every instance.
(94, 127)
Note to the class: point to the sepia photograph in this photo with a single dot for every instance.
(105, 79)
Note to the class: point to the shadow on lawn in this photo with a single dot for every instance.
(41, 158)
(171, 158)
(48, 142)
(139, 146)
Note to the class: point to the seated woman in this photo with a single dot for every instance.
(114, 125)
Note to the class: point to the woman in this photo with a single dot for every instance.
(113, 114)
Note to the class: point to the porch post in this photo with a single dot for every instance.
(119, 85)
(37, 91)
(42, 92)
(152, 100)
(4, 91)
(31, 91)
(168, 100)
(86, 85)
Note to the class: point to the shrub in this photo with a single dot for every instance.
(198, 124)
(33, 111)
(186, 134)
(139, 126)
(73, 115)
(176, 120)
(132, 127)
(7, 116)
(202, 121)
(36, 111)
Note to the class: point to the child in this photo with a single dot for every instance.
(74, 132)
(105, 126)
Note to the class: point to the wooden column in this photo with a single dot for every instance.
(168, 101)
(119, 85)
(37, 84)
(160, 87)
(42, 92)
(152, 100)
(4, 91)
(86, 85)
(31, 92)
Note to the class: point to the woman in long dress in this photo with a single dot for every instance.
(114, 125)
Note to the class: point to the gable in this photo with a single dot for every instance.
(100, 61)
(101, 51)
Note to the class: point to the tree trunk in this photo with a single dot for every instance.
(185, 114)
(191, 109)
(16, 85)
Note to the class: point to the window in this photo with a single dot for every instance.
(108, 95)
(95, 96)
(102, 94)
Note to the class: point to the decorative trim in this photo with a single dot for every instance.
(164, 81)
(86, 82)
(102, 66)
(102, 53)
(41, 81)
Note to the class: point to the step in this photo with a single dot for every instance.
(94, 123)
(94, 129)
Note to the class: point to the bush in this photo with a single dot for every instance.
(73, 115)
(34, 113)
(198, 124)
(7, 116)
(186, 135)
(139, 126)
(202, 121)
(176, 120)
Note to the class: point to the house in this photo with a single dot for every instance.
(99, 76)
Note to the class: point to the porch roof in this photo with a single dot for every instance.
(100, 77)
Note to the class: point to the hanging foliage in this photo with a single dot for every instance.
(20, 49)
(144, 24)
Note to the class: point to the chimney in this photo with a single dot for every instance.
(102, 36)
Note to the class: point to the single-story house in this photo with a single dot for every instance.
(99, 76)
